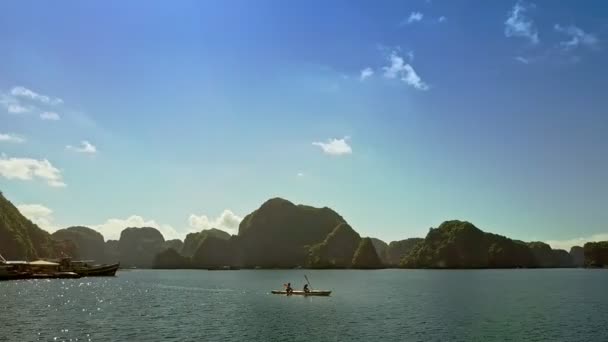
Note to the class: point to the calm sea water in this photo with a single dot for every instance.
(384, 305)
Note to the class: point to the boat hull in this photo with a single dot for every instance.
(302, 293)
(98, 271)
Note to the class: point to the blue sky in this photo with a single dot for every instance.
(397, 114)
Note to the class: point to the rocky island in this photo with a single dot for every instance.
(280, 234)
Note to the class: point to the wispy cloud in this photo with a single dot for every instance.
(29, 169)
(441, 19)
(413, 17)
(577, 37)
(300, 174)
(84, 147)
(335, 147)
(112, 228)
(398, 68)
(523, 60)
(53, 116)
(366, 73)
(12, 138)
(40, 215)
(580, 241)
(23, 92)
(227, 221)
(12, 105)
(520, 25)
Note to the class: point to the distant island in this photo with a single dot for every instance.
(281, 234)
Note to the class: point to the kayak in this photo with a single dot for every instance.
(302, 293)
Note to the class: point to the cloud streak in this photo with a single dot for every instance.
(580, 241)
(40, 215)
(52, 116)
(29, 169)
(366, 73)
(519, 25)
(577, 36)
(335, 147)
(227, 221)
(23, 92)
(84, 147)
(398, 68)
(11, 138)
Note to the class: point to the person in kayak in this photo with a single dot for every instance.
(306, 289)
(288, 288)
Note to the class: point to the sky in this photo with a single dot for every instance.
(399, 115)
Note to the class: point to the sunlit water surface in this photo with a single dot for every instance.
(387, 305)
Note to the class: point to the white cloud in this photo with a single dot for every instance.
(227, 221)
(577, 37)
(522, 60)
(112, 228)
(12, 105)
(32, 95)
(300, 174)
(11, 138)
(85, 147)
(28, 169)
(53, 116)
(567, 244)
(335, 147)
(414, 17)
(404, 71)
(442, 19)
(519, 25)
(17, 108)
(366, 73)
(40, 215)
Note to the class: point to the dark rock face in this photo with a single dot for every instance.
(366, 257)
(398, 249)
(577, 253)
(89, 243)
(176, 244)
(544, 256)
(381, 249)
(21, 239)
(458, 244)
(214, 252)
(193, 240)
(139, 246)
(596, 254)
(111, 251)
(280, 234)
(170, 259)
(337, 250)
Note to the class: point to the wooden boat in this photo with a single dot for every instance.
(302, 293)
(55, 275)
(97, 270)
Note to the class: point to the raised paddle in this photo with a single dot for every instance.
(305, 277)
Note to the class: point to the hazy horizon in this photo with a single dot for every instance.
(189, 115)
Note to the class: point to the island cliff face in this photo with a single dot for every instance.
(193, 240)
(89, 243)
(279, 233)
(139, 246)
(21, 239)
(596, 254)
(459, 244)
(337, 250)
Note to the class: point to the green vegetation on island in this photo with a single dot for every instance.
(280, 234)
(596, 254)
(337, 250)
(365, 256)
(89, 242)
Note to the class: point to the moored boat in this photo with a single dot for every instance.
(303, 293)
